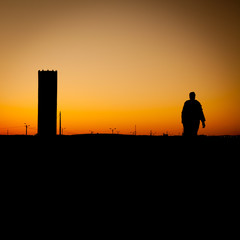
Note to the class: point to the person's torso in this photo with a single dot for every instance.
(192, 110)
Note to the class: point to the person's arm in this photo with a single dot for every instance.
(202, 117)
(182, 115)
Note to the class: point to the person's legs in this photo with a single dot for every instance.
(190, 128)
(195, 127)
(186, 129)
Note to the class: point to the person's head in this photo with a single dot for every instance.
(192, 95)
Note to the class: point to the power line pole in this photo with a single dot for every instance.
(60, 123)
(112, 129)
(26, 127)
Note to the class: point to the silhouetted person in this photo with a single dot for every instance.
(192, 114)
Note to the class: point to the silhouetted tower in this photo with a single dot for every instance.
(47, 103)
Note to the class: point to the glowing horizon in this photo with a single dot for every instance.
(121, 64)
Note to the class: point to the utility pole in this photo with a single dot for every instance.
(60, 124)
(112, 129)
(26, 127)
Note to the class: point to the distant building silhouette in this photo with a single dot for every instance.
(47, 103)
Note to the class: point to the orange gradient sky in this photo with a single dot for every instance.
(121, 63)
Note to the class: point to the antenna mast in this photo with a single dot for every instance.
(60, 123)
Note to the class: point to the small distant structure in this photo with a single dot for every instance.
(135, 131)
(152, 133)
(60, 124)
(112, 129)
(47, 103)
(26, 127)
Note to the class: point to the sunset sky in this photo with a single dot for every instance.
(121, 63)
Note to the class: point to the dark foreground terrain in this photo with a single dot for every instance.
(120, 147)
(97, 176)
(152, 162)
(121, 157)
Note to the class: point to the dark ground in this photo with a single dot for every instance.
(127, 155)
(169, 181)
(120, 147)
(107, 156)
